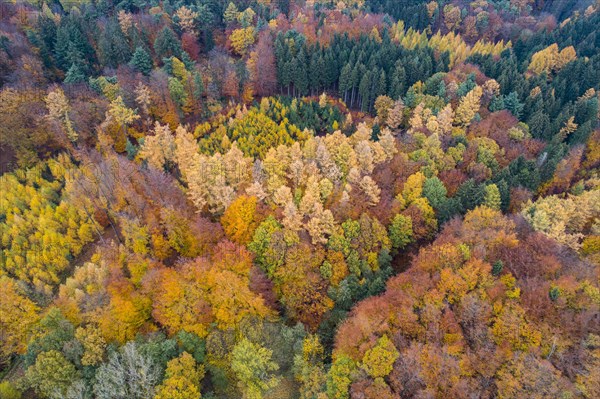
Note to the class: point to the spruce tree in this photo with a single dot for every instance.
(345, 81)
(167, 44)
(141, 61)
(113, 46)
(364, 90)
(198, 86)
(74, 75)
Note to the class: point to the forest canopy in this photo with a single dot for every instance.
(299, 199)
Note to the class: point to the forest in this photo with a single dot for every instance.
(299, 199)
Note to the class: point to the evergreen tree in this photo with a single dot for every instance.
(198, 86)
(345, 81)
(364, 90)
(512, 103)
(397, 84)
(381, 88)
(167, 44)
(113, 46)
(470, 194)
(75, 75)
(141, 61)
(301, 74)
(72, 47)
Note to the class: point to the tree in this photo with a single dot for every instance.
(141, 61)
(167, 44)
(113, 47)
(469, 106)
(58, 110)
(159, 149)
(74, 75)
(452, 16)
(182, 379)
(8, 391)
(261, 66)
(400, 231)
(51, 374)
(383, 105)
(551, 60)
(445, 118)
(253, 367)
(246, 17)
(127, 374)
(241, 39)
(396, 115)
(186, 19)
(435, 192)
(379, 360)
(177, 91)
(18, 314)
(308, 368)
(93, 345)
(338, 378)
(125, 21)
(120, 113)
(231, 13)
(239, 220)
(492, 197)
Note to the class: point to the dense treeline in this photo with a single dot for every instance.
(277, 199)
(359, 70)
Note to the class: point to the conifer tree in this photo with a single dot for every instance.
(141, 61)
(75, 75)
(468, 107)
(167, 44)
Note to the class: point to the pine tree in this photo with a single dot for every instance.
(141, 61)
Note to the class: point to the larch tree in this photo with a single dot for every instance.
(159, 149)
(468, 107)
(18, 314)
(58, 110)
(396, 115)
(241, 39)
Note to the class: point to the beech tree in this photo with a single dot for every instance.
(239, 220)
(51, 374)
